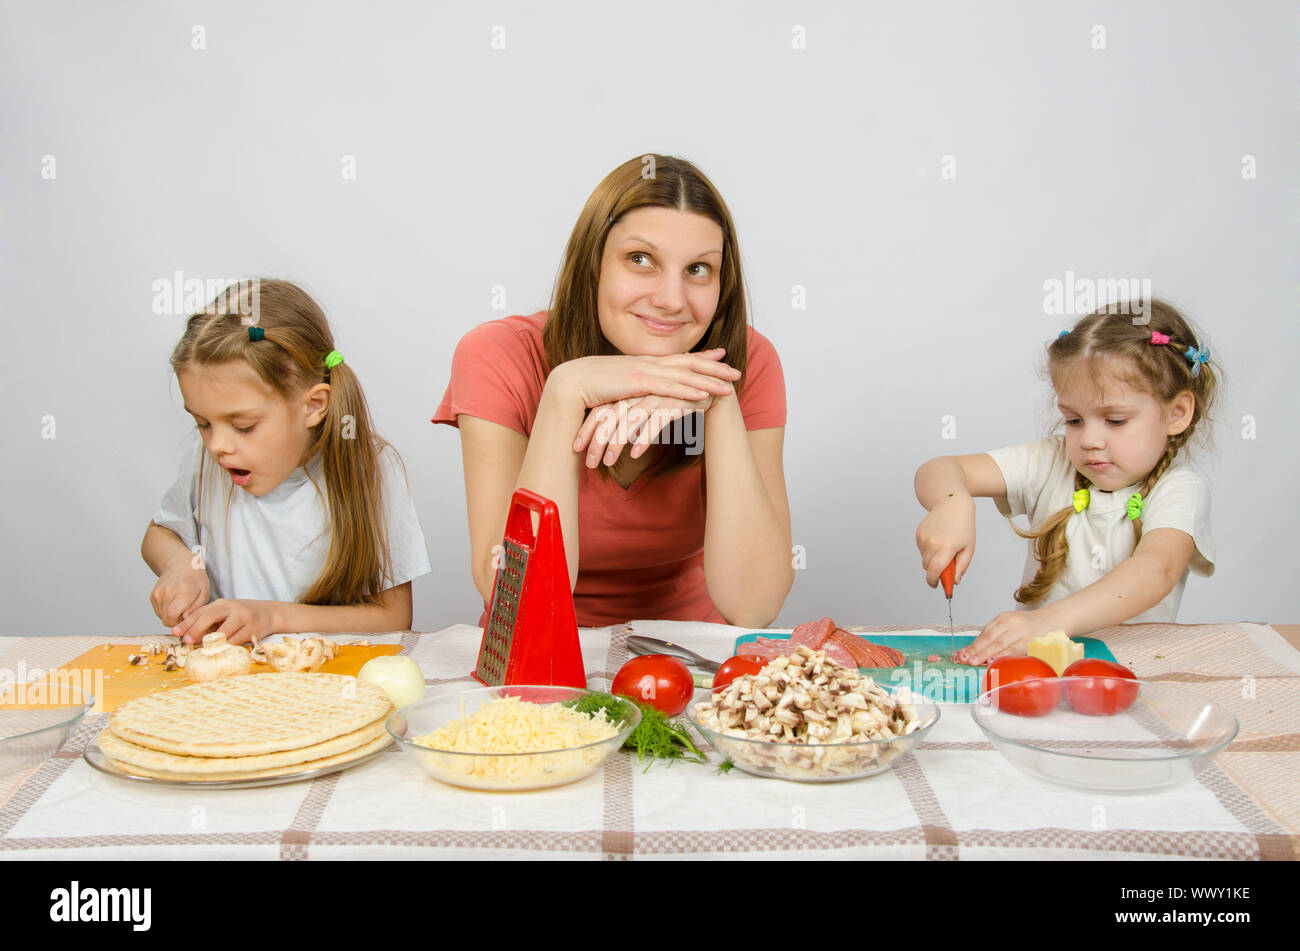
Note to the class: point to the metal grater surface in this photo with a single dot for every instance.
(500, 632)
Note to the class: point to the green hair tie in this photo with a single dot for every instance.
(1081, 498)
(1134, 507)
(255, 334)
(333, 359)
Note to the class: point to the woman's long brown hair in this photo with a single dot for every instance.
(290, 359)
(1103, 343)
(573, 326)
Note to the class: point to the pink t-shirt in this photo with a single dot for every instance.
(641, 549)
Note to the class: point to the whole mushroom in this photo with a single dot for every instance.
(216, 659)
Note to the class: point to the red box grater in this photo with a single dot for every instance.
(531, 635)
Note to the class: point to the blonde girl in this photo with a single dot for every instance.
(1117, 518)
(290, 514)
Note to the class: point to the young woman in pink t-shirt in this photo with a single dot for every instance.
(684, 520)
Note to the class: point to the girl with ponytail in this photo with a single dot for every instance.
(293, 514)
(1117, 519)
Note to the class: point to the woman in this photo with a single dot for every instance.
(647, 324)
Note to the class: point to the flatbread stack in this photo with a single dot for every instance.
(250, 727)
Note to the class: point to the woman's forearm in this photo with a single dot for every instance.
(551, 468)
(747, 556)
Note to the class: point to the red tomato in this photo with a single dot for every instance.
(1029, 685)
(736, 667)
(1100, 697)
(663, 682)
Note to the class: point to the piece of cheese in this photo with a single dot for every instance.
(1057, 649)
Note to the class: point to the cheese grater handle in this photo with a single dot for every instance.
(519, 527)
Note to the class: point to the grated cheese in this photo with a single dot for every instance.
(509, 727)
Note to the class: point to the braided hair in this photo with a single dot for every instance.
(1117, 342)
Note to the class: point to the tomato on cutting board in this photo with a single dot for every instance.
(663, 682)
(1100, 697)
(1029, 686)
(735, 667)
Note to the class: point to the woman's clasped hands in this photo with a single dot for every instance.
(632, 399)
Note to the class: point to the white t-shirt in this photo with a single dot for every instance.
(1040, 482)
(273, 547)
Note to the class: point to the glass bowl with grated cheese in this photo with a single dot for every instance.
(512, 737)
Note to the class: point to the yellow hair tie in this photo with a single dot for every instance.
(1081, 498)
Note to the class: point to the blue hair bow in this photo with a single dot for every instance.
(1197, 357)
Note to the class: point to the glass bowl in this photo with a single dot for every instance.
(35, 721)
(817, 762)
(502, 771)
(1168, 734)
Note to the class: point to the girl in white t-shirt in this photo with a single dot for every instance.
(1116, 520)
(293, 514)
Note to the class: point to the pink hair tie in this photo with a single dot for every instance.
(1157, 339)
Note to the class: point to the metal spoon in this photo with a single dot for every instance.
(652, 645)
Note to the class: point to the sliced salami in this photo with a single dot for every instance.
(762, 651)
(812, 633)
(843, 647)
(865, 652)
(836, 652)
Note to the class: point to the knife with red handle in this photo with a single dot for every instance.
(948, 577)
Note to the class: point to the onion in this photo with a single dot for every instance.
(399, 677)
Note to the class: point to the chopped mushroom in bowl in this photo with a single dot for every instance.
(806, 718)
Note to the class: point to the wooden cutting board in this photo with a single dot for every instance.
(110, 676)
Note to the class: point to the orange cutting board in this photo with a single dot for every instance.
(106, 672)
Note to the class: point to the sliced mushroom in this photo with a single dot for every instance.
(297, 654)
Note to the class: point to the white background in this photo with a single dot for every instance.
(924, 295)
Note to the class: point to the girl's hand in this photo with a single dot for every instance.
(947, 532)
(608, 429)
(240, 620)
(1007, 634)
(179, 591)
(689, 377)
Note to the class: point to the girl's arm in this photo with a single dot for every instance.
(162, 547)
(1136, 584)
(976, 475)
(183, 584)
(243, 620)
(392, 613)
(947, 487)
(748, 568)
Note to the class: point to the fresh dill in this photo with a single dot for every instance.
(656, 736)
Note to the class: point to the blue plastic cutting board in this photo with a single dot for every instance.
(941, 681)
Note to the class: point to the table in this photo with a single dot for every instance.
(955, 797)
(1290, 633)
